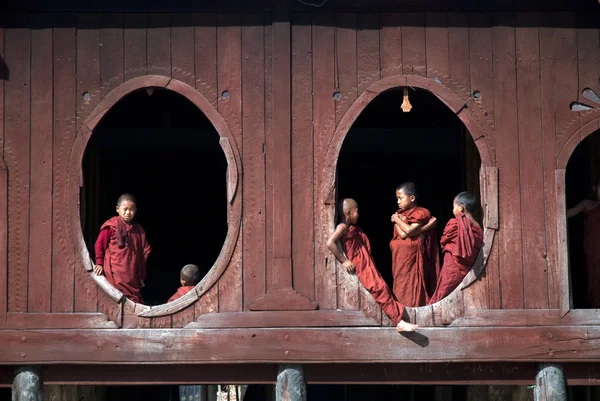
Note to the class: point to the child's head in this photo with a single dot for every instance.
(464, 202)
(126, 207)
(349, 210)
(190, 275)
(406, 194)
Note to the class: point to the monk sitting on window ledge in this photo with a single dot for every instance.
(460, 243)
(188, 277)
(122, 250)
(357, 248)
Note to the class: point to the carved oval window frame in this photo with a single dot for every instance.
(75, 182)
(462, 109)
(575, 134)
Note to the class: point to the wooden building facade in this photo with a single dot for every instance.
(282, 85)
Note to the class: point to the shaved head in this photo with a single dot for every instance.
(349, 204)
(190, 274)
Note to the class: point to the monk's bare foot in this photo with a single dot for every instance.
(405, 326)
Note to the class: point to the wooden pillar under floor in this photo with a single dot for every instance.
(74, 393)
(27, 385)
(550, 384)
(290, 384)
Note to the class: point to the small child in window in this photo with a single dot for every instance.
(189, 277)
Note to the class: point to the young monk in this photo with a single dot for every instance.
(122, 250)
(461, 241)
(188, 277)
(415, 258)
(357, 248)
(591, 232)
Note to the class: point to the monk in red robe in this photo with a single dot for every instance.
(188, 277)
(591, 249)
(358, 259)
(461, 242)
(122, 250)
(415, 258)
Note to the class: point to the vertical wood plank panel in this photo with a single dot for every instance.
(531, 160)
(390, 44)
(230, 80)
(436, 45)
(269, 145)
(548, 143)
(324, 127)
(588, 48)
(16, 148)
(346, 63)
(111, 52)
(413, 44)
(134, 45)
(303, 235)
(158, 39)
(88, 81)
(566, 77)
(367, 50)
(507, 145)
(458, 58)
(182, 48)
(3, 194)
(40, 222)
(253, 142)
(205, 55)
(65, 48)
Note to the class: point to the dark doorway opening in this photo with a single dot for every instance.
(428, 145)
(582, 170)
(160, 147)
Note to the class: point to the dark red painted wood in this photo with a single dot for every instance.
(436, 46)
(413, 44)
(390, 44)
(65, 50)
(134, 45)
(303, 185)
(111, 52)
(182, 48)
(367, 50)
(269, 145)
(17, 156)
(458, 58)
(531, 160)
(3, 197)
(253, 143)
(40, 221)
(205, 55)
(346, 63)
(158, 44)
(507, 145)
(588, 48)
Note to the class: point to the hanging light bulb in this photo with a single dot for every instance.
(406, 106)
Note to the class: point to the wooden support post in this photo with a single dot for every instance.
(550, 384)
(290, 384)
(27, 385)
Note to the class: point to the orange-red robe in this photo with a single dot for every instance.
(461, 242)
(122, 250)
(357, 248)
(591, 249)
(181, 291)
(415, 261)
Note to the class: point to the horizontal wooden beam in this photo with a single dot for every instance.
(255, 345)
(58, 321)
(329, 318)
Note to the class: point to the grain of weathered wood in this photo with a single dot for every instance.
(268, 41)
(3, 198)
(183, 317)
(40, 221)
(27, 385)
(507, 146)
(208, 303)
(205, 55)
(58, 321)
(390, 44)
(458, 58)
(563, 274)
(16, 149)
(346, 63)
(134, 45)
(65, 49)
(436, 46)
(111, 52)
(550, 384)
(588, 54)
(158, 40)
(182, 48)
(414, 60)
(253, 142)
(531, 160)
(303, 185)
(367, 50)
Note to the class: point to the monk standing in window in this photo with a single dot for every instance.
(460, 243)
(122, 250)
(415, 258)
(358, 259)
(591, 232)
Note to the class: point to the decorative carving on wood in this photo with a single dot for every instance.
(234, 173)
(478, 126)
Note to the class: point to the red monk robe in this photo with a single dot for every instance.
(357, 248)
(461, 242)
(415, 261)
(181, 291)
(122, 250)
(591, 249)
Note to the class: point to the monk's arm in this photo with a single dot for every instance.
(431, 224)
(579, 208)
(332, 244)
(100, 250)
(410, 230)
